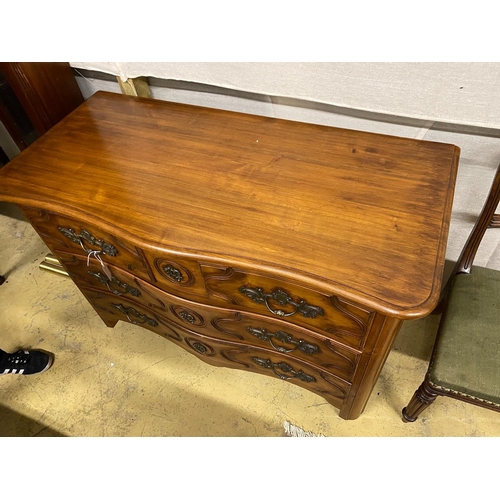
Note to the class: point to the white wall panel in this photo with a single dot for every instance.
(460, 93)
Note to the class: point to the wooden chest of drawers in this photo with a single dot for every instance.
(288, 249)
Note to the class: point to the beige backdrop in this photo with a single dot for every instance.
(463, 93)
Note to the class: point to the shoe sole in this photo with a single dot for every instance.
(49, 364)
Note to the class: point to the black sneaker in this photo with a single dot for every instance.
(26, 362)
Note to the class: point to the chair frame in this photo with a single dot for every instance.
(427, 393)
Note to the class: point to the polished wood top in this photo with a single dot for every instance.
(363, 215)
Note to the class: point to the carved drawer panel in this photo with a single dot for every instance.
(331, 388)
(222, 353)
(217, 322)
(282, 338)
(244, 291)
(293, 303)
(174, 274)
(64, 234)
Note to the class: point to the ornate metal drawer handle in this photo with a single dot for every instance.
(106, 248)
(285, 367)
(301, 345)
(130, 310)
(173, 272)
(302, 307)
(106, 281)
(187, 317)
(199, 347)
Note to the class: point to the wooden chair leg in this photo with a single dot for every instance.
(423, 397)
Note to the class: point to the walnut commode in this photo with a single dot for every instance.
(288, 249)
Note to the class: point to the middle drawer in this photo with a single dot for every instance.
(217, 322)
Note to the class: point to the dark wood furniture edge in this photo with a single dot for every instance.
(387, 333)
(495, 221)
(47, 91)
(428, 392)
(464, 263)
(423, 397)
(11, 127)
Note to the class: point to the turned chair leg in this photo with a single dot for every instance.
(423, 397)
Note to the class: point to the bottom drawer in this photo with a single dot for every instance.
(222, 353)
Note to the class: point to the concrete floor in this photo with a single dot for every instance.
(127, 381)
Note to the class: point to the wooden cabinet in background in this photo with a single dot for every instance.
(34, 96)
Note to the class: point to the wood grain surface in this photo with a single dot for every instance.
(361, 215)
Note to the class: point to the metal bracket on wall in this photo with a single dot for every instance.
(53, 265)
(135, 86)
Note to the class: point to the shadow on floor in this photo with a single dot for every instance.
(416, 337)
(14, 424)
(11, 210)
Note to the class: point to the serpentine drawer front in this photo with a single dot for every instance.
(219, 352)
(288, 249)
(218, 323)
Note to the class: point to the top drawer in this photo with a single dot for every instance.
(64, 234)
(279, 298)
(245, 290)
(169, 272)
